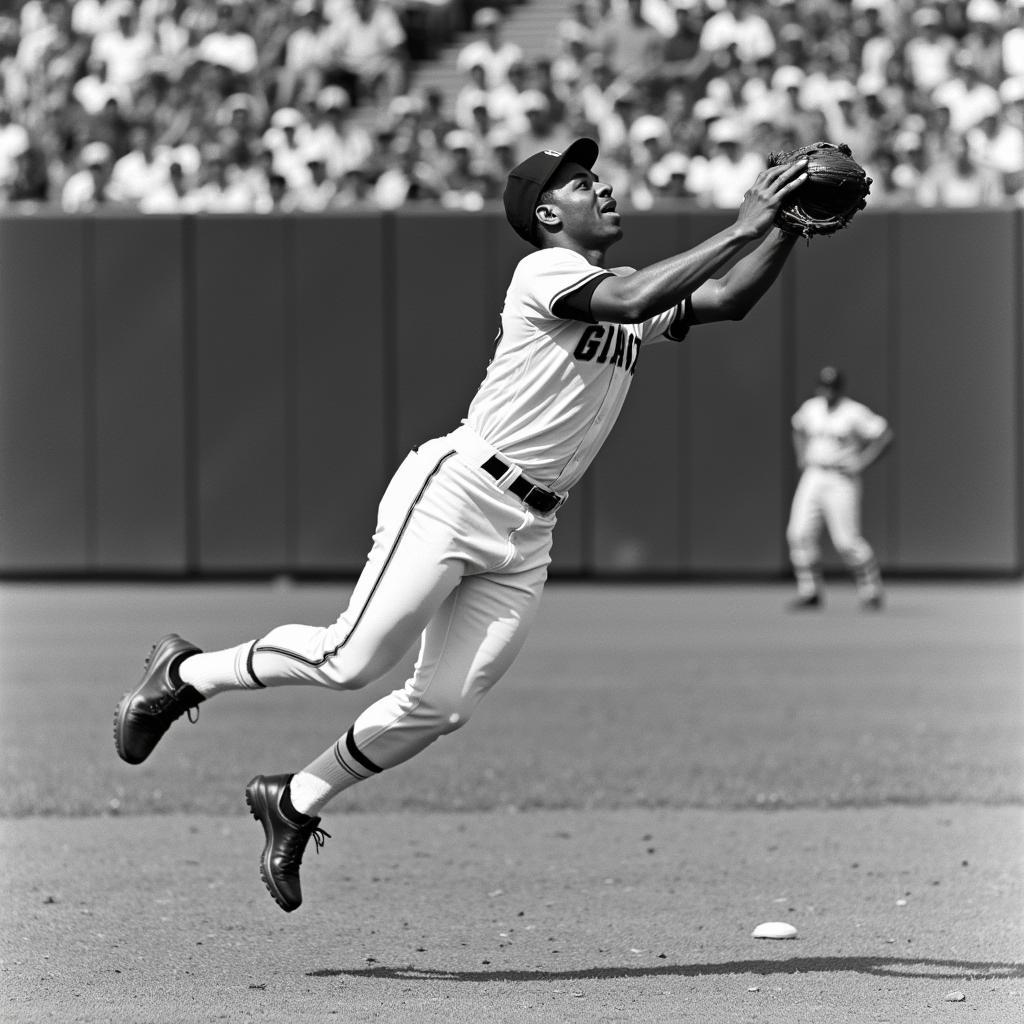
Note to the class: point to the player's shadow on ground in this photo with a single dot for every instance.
(882, 966)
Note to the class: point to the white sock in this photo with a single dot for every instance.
(309, 793)
(217, 671)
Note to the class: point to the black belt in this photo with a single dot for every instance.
(538, 498)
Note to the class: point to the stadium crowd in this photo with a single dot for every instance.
(261, 105)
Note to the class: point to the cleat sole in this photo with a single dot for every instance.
(252, 799)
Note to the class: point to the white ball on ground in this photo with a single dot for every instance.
(774, 930)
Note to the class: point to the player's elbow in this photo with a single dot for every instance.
(733, 308)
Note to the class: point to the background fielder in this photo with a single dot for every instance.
(835, 440)
(463, 537)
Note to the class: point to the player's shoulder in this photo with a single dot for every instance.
(554, 264)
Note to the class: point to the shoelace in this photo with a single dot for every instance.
(292, 855)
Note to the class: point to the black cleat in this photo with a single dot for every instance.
(874, 603)
(810, 601)
(287, 832)
(148, 711)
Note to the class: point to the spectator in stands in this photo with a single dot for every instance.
(740, 25)
(318, 192)
(175, 193)
(306, 55)
(505, 100)
(982, 44)
(684, 61)
(345, 145)
(1013, 41)
(354, 189)
(90, 188)
(968, 97)
(124, 51)
(541, 131)
(929, 55)
(221, 189)
(30, 182)
(722, 178)
(847, 120)
(792, 112)
(281, 140)
(94, 89)
(997, 143)
(408, 179)
(472, 94)
(230, 47)
(162, 21)
(874, 43)
(368, 52)
(667, 178)
(464, 182)
(14, 140)
(956, 180)
(490, 50)
(141, 170)
(632, 45)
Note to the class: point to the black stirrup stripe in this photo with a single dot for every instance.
(376, 583)
(350, 743)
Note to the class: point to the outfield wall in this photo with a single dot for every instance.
(222, 395)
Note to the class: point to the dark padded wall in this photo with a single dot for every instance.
(217, 395)
(957, 378)
(141, 479)
(338, 347)
(638, 493)
(46, 408)
(240, 273)
(733, 390)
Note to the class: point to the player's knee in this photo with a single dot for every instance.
(449, 715)
(853, 552)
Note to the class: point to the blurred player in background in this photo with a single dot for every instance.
(835, 440)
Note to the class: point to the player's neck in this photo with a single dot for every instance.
(595, 256)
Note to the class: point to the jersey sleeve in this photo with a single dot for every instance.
(549, 278)
(869, 424)
(798, 421)
(672, 325)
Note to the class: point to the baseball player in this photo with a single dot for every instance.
(835, 439)
(463, 538)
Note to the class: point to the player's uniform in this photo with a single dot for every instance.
(463, 539)
(829, 493)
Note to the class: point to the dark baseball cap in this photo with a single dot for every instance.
(831, 377)
(528, 179)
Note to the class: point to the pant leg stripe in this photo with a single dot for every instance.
(251, 670)
(373, 590)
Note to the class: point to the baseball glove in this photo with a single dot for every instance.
(835, 189)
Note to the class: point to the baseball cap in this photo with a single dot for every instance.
(526, 181)
(830, 377)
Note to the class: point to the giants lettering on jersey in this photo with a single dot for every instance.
(606, 343)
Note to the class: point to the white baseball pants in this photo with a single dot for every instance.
(829, 498)
(456, 562)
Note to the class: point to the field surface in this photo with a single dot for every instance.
(664, 768)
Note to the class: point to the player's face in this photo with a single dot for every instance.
(585, 206)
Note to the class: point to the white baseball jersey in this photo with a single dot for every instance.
(835, 434)
(554, 387)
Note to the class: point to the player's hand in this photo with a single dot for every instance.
(761, 201)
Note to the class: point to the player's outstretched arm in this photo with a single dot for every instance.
(665, 284)
(735, 294)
